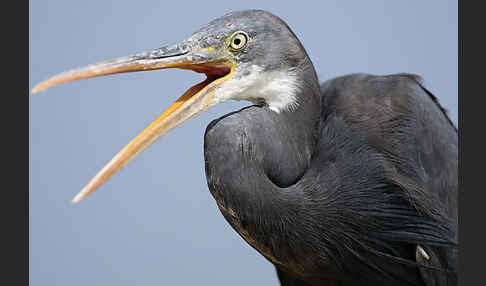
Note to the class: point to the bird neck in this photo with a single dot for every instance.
(253, 157)
(288, 138)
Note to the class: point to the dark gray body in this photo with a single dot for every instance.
(342, 190)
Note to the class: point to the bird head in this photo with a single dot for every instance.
(247, 55)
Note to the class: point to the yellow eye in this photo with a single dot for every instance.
(238, 41)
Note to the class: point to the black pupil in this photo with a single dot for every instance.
(237, 41)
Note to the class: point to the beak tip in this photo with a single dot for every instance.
(83, 193)
(77, 198)
(37, 89)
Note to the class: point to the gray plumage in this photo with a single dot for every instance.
(342, 190)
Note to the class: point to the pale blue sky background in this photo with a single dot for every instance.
(155, 223)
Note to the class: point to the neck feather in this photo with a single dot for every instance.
(278, 88)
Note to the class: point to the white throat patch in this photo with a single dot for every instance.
(277, 88)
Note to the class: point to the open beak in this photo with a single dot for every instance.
(194, 101)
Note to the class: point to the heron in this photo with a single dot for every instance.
(351, 181)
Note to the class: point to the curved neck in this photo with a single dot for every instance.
(288, 138)
(252, 157)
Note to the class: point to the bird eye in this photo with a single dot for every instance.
(238, 41)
